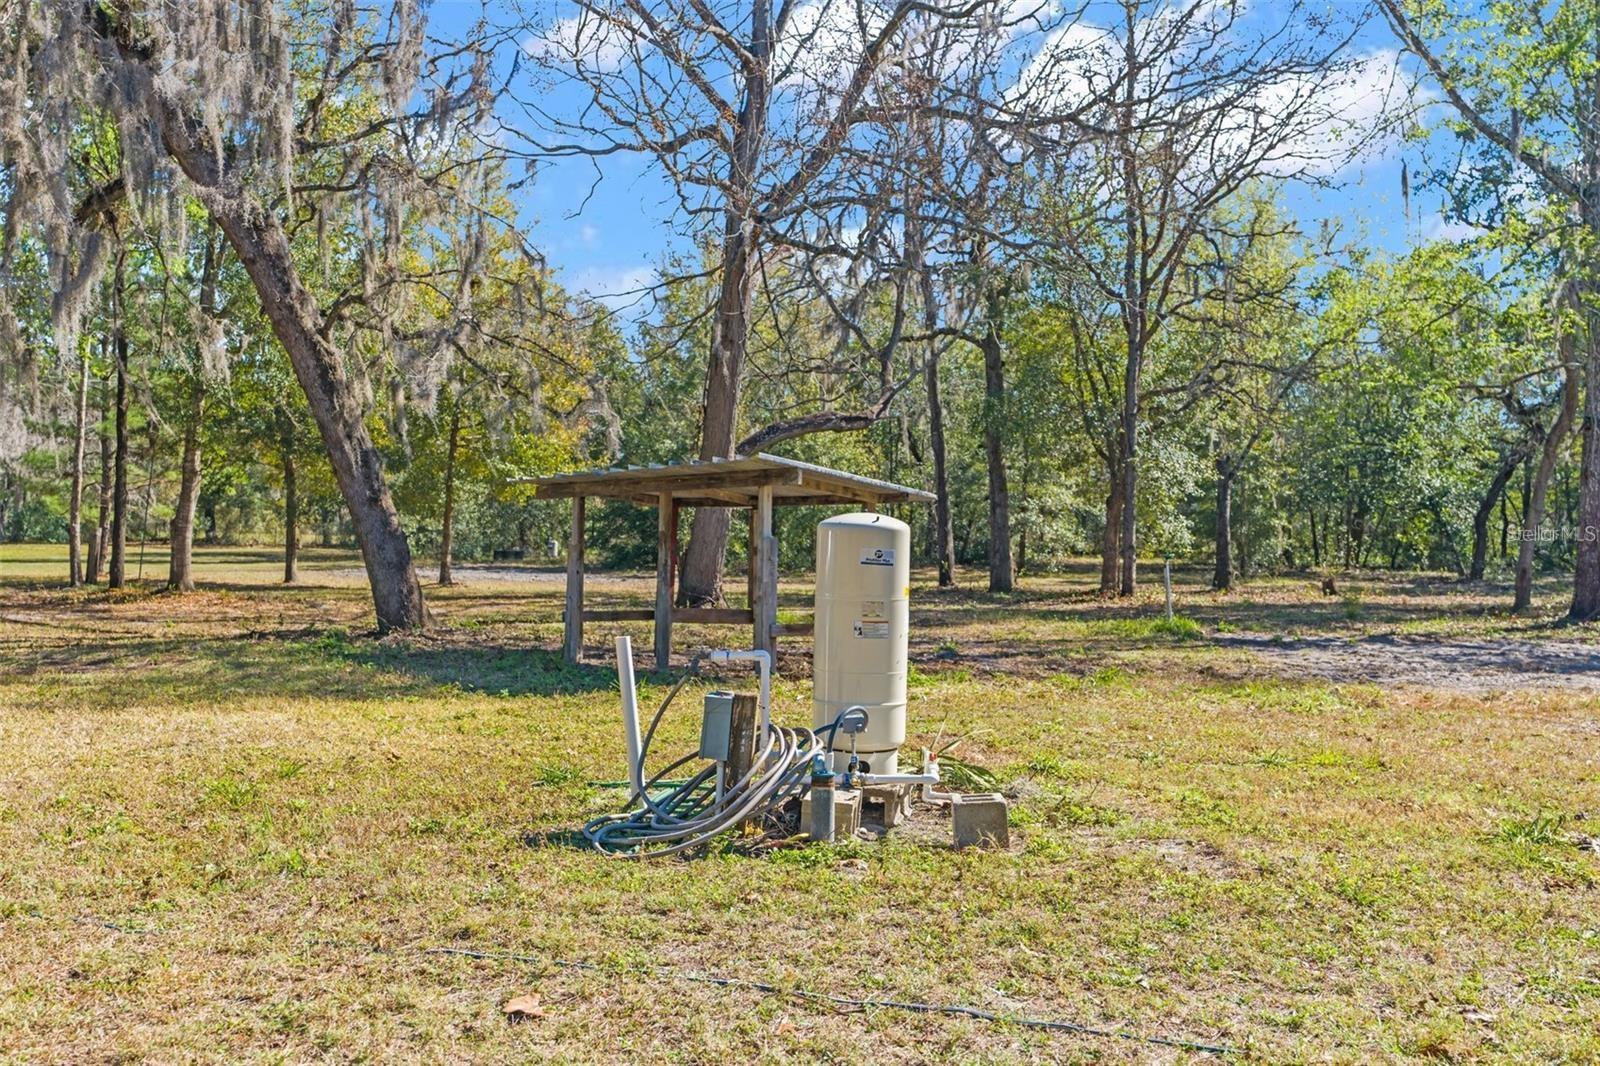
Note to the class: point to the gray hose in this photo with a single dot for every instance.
(691, 814)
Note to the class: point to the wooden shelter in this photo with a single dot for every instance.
(759, 482)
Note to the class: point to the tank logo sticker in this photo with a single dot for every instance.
(878, 557)
(872, 628)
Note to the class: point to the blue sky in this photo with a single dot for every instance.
(607, 237)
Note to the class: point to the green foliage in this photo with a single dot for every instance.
(1178, 626)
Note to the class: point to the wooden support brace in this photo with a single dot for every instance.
(750, 566)
(572, 630)
(766, 592)
(666, 517)
(742, 738)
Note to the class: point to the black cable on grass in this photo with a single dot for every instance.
(956, 1009)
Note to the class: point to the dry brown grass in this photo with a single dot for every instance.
(231, 823)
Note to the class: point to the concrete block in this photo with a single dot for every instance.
(891, 802)
(979, 820)
(846, 812)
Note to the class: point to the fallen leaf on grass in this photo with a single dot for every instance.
(520, 1007)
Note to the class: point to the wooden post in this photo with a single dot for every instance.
(741, 738)
(1166, 581)
(572, 643)
(765, 607)
(665, 519)
(752, 572)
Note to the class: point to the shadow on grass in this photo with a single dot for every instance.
(496, 669)
(1285, 602)
(303, 663)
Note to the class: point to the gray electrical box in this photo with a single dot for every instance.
(716, 726)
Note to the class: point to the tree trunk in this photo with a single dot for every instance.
(337, 408)
(1240, 545)
(447, 534)
(1000, 567)
(1586, 576)
(1134, 308)
(291, 496)
(944, 540)
(1533, 513)
(75, 500)
(117, 574)
(708, 533)
(102, 533)
(336, 404)
(944, 548)
(291, 521)
(1480, 518)
(1222, 578)
(1128, 578)
(1111, 542)
(1505, 523)
(180, 572)
(1316, 545)
(701, 581)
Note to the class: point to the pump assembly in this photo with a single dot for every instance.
(782, 779)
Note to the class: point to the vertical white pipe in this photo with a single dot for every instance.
(630, 713)
(764, 661)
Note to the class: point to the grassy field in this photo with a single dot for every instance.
(235, 825)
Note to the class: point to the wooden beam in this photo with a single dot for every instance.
(572, 630)
(766, 601)
(621, 614)
(750, 564)
(729, 616)
(696, 498)
(717, 498)
(722, 616)
(665, 513)
(639, 483)
(842, 488)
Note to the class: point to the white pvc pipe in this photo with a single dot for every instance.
(927, 779)
(896, 779)
(630, 714)
(764, 660)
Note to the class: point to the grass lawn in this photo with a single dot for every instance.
(234, 825)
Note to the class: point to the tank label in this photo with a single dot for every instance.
(872, 628)
(878, 557)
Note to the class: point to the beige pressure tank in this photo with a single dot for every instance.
(862, 619)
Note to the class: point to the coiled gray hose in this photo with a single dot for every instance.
(691, 814)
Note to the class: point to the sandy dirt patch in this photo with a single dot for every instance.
(1461, 665)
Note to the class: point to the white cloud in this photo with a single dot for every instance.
(582, 40)
(823, 40)
(1438, 228)
(620, 288)
(1313, 125)
(588, 234)
(1345, 121)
